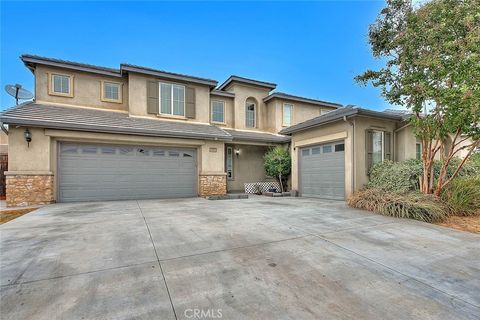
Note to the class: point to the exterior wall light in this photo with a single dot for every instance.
(237, 152)
(28, 137)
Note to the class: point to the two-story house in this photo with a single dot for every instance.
(96, 133)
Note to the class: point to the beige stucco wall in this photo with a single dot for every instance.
(41, 156)
(336, 131)
(138, 98)
(229, 111)
(301, 112)
(24, 158)
(86, 89)
(405, 144)
(361, 126)
(247, 166)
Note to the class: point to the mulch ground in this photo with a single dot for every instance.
(7, 215)
(470, 224)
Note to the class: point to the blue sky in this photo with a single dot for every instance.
(311, 49)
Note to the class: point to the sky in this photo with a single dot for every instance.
(310, 49)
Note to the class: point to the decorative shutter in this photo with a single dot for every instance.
(152, 97)
(388, 146)
(368, 150)
(190, 103)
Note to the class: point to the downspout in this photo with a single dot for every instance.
(3, 128)
(354, 167)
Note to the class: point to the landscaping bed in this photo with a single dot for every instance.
(470, 224)
(393, 191)
(7, 215)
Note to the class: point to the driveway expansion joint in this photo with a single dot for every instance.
(158, 261)
(77, 274)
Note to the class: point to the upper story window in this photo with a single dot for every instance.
(218, 111)
(250, 113)
(287, 114)
(60, 84)
(172, 99)
(111, 91)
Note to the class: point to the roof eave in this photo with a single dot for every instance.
(347, 113)
(166, 75)
(300, 99)
(31, 62)
(77, 127)
(232, 79)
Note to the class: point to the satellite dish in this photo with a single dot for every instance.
(16, 91)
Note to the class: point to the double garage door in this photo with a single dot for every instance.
(322, 171)
(88, 172)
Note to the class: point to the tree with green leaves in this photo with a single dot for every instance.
(278, 164)
(432, 67)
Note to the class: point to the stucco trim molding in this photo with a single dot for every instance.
(28, 173)
(212, 174)
(327, 138)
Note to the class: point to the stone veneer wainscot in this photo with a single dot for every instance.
(29, 189)
(212, 185)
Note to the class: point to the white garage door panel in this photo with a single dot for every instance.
(94, 172)
(322, 174)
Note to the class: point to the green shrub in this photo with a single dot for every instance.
(463, 196)
(404, 176)
(474, 161)
(277, 163)
(411, 205)
(396, 176)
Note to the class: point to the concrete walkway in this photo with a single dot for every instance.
(261, 258)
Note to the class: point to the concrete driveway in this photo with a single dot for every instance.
(261, 258)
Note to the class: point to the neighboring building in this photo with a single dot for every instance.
(135, 133)
(333, 153)
(3, 142)
(3, 162)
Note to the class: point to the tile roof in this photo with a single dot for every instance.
(176, 76)
(30, 59)
(83, 119)
(287, 96)
(257, 136)
(337, 115)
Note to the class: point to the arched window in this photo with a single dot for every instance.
(250, 113)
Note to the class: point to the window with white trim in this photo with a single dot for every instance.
(229, 163)
(172, 99)
(377, 146)
(111, 91)
(60, 84)
(250, 113)
(218, 111)
(287, 114)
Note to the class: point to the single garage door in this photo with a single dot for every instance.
(89, 172)
(322, 171)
